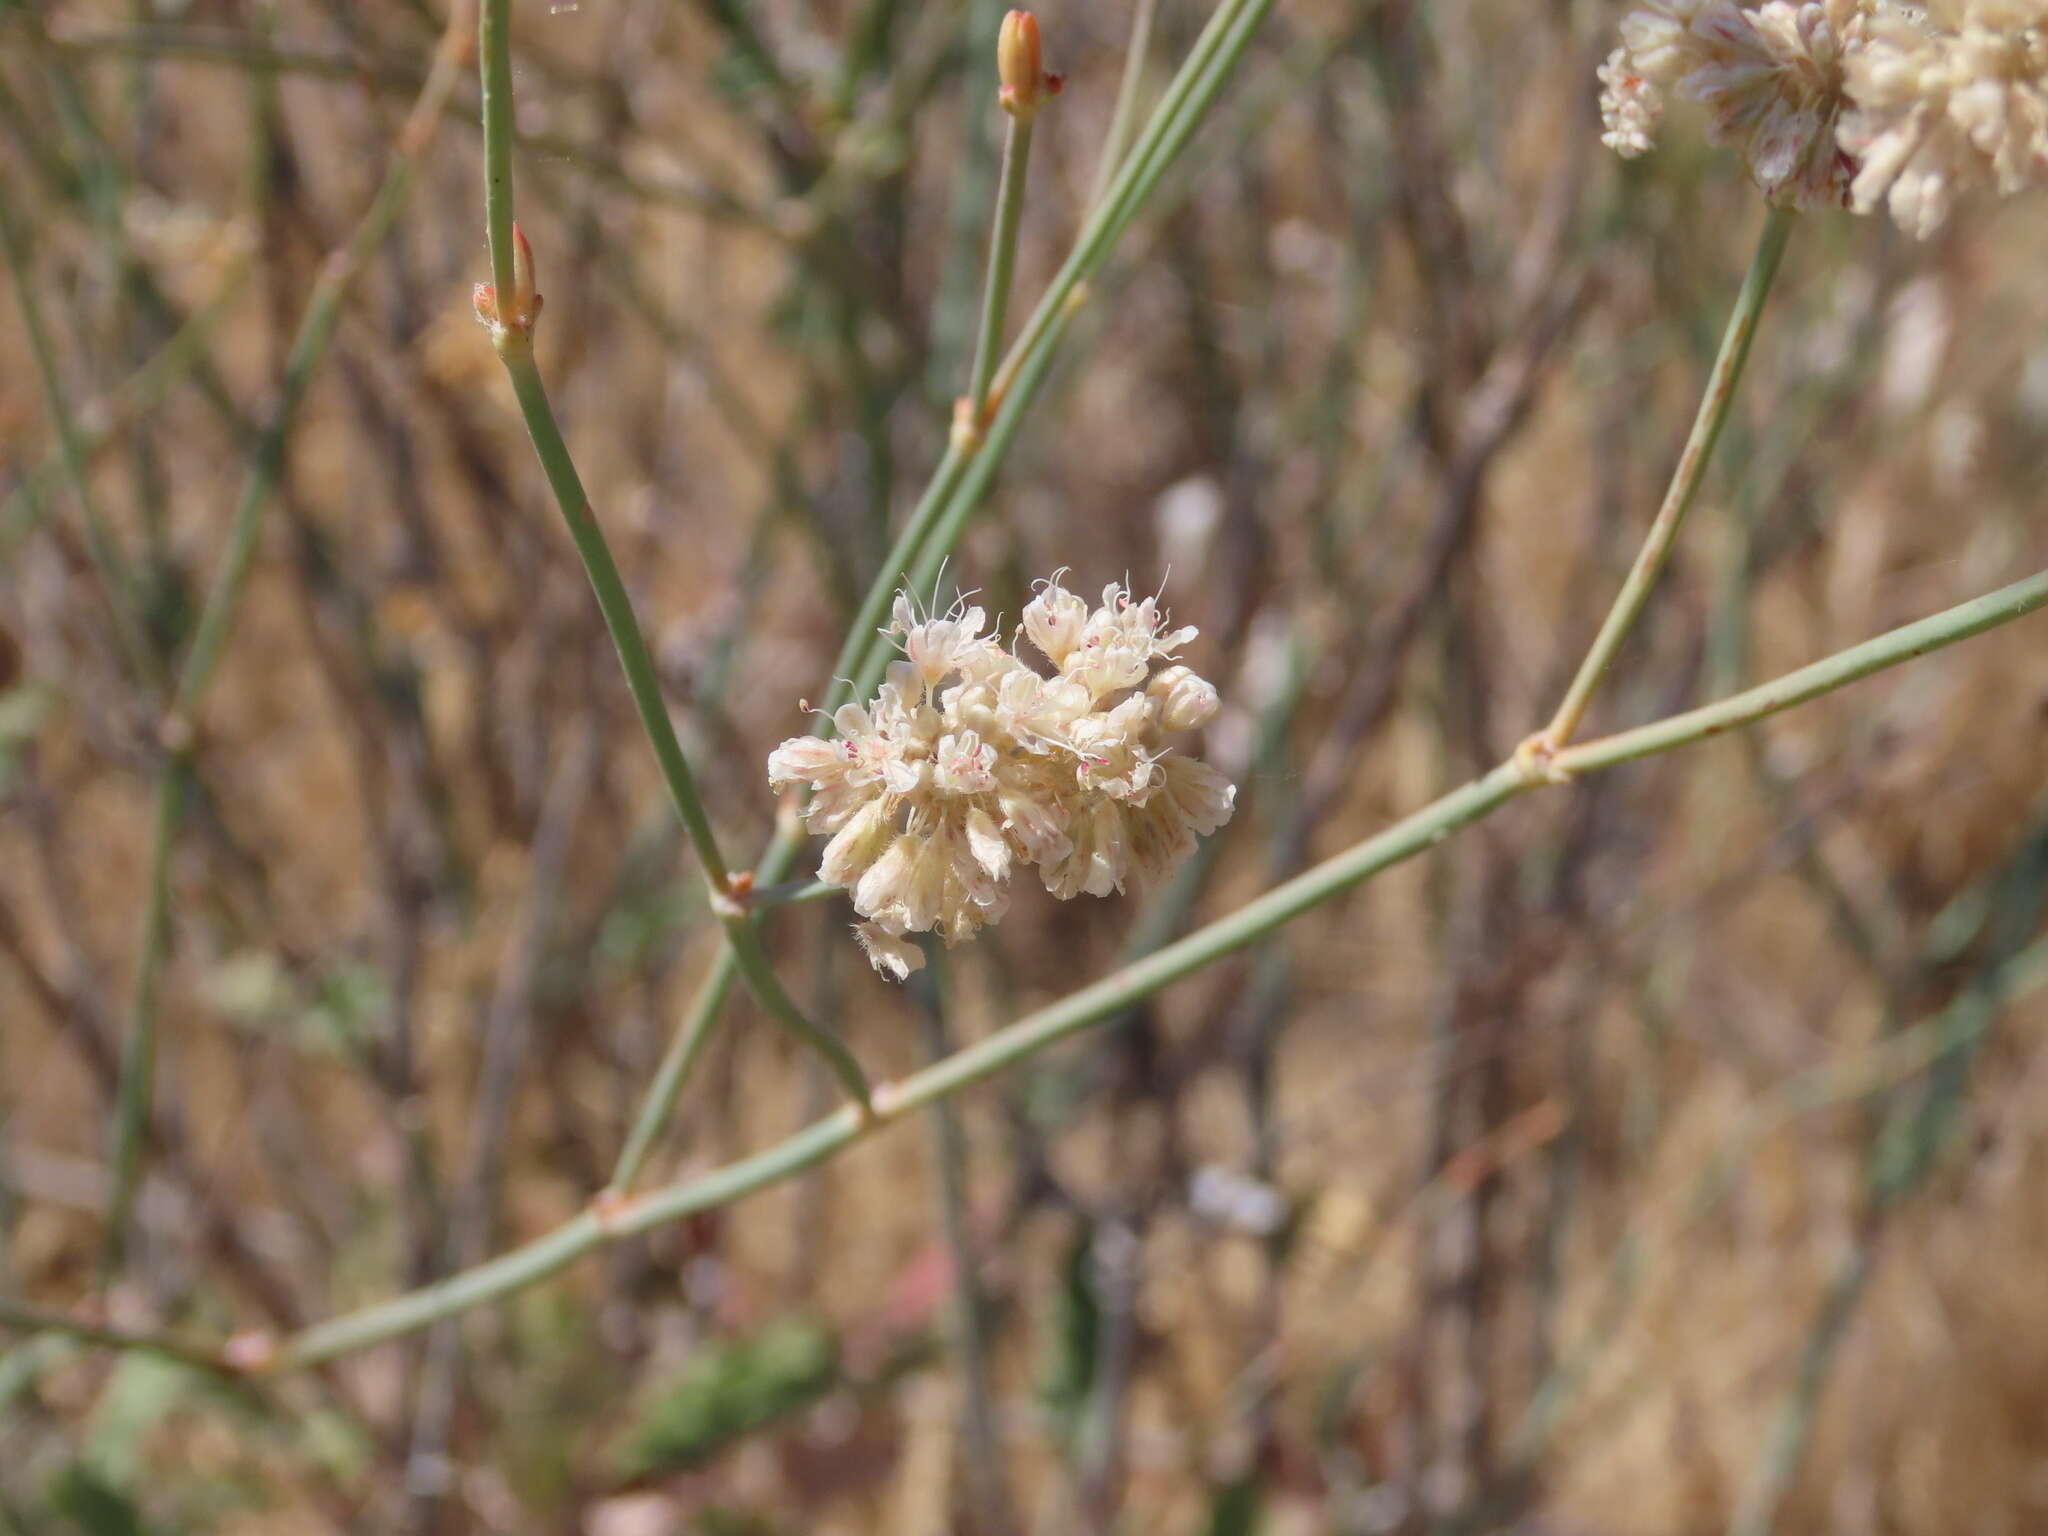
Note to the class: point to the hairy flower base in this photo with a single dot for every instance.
(970, 762)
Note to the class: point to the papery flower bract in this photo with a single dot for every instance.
(969, 763)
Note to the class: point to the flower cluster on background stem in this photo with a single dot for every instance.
(1856, 102)
(970, 762)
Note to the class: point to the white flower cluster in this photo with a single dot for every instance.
(970, 762)
(1859, 102)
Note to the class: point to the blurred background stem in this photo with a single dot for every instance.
(223, 600)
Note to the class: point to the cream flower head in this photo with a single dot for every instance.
(970, 762)
(1948, 100)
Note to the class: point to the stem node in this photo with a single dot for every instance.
(1536, 761)
(608, 1208)
(966, 433)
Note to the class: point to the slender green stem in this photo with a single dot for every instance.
(1180, 112)
(863, 635)
(954, 313)
(1181, 109)
(1685, 480)
(133, 1090)
(1422, 830)
(494, 62)
(1002, 263)
(1123, 117)
(509, 1272)
(1810, 682)
(695, 1028)
(975, 478)
(684, 1047)
(515, 348)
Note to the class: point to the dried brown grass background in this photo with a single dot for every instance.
(1491, 1087)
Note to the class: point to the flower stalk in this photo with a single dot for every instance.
(1711, 417)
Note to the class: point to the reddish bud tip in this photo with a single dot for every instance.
(525, 299)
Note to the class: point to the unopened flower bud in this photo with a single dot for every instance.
(1019, 65)
(1186, 702)
(524, 309)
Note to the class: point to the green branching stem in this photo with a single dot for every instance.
(618, 1215)
(512, 334)
(975, 478)
(1822, 677)
(684, 1047)
(494, 59)
(1685, 480)
(515, 349)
